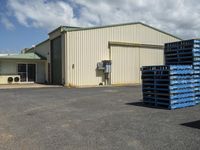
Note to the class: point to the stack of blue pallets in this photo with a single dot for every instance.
(170, 86)
(185, 53)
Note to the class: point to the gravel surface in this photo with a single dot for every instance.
(111, 118)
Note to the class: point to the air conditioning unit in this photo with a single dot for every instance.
(9, 79)
(16, 79)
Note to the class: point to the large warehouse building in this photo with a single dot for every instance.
(94, 56)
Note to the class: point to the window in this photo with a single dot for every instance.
(22, 71)
(27, 72)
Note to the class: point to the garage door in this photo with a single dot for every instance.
(56, 61)
(125, 65)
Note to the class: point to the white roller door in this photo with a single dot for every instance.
(126, 63)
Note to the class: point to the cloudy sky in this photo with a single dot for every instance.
(24, 23)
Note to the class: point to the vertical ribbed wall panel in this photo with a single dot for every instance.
(123, 72)
(87, 47)
(150, 57)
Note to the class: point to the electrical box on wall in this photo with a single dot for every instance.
(107, 66)
(100, 66)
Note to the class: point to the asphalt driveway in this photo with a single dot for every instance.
(92, 119)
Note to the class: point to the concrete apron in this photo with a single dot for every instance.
(29, 85)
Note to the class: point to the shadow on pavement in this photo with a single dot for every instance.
(141, 104)
(193, 124)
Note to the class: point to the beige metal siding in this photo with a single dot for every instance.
(66, 60)
(40, 77)
(55, 34)
(127, 61)
(87, 47)
(125, 65)
(150, 57)
(8, 68)
(43, 49)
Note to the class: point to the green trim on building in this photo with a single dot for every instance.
(73, 29)
(26, 56)
(32, 49)
(42, 42)
(64, 28)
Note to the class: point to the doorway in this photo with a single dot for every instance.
(56, 61)
(27, 72)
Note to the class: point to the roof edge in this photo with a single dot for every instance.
(26, 56)
(58, 28)
(160, 31)
(42, 42)
(104, 26)
(37, 45)
(61, 27)
(122, 24)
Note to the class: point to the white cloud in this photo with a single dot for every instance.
(41, 13)
(180, 17)
(6, 22)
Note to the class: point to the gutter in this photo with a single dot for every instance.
(113, 43)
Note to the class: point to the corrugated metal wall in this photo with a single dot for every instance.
(150, 56)
(127, 61)
(56, 60)
(52, 36)
(43, 49)
(87, 47)
(8, 68)
(40, 72)
(125, 65)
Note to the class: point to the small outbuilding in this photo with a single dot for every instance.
(29, 67)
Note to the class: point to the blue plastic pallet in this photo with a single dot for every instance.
(188, 81)
(172, 97)
(197, 102)
(183, 100)
(170, 84)
(182, 77)
(174, 91)
(182, 86)
(168, 67)
(179, 53)
(182, 105)
(196, 63)
(178, 57)
(171, 106)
